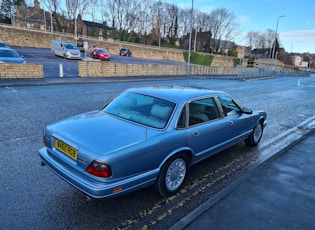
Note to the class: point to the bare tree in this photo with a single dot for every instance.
(184, 20)
(52, 6)
(93, 6)
(270, 38)
(75, 8)
(144, 25)
(123, 16)
(252, 37)
(222, 25)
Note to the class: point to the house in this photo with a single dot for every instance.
(37, 18)
(298, 62)
(94, 29)
(30, 17)
(202, 42)
(260, 53)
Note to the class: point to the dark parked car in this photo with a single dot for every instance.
(100, 53)
(147, 136)
(125, 52)
(8, 55)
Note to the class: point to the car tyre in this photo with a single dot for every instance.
(172, 175)
(255, 136)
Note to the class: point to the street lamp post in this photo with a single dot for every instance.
(189, 45)
(274, 43)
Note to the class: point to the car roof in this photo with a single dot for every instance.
(176, 93)
(6, 48)
(3, 43)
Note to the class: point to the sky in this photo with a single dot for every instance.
(296, 29)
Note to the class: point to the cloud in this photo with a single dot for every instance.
(299, 40)
(298, 35)
(244, 19)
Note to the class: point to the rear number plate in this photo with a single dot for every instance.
(67, 149)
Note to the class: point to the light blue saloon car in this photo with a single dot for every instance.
(147, 136)
(8, 55)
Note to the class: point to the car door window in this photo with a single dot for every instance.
(202, 110)
(229, 107)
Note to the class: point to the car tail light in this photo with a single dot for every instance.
(47, 141)
(99, 169)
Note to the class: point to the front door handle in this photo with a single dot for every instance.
(196, 133)
(231, 122)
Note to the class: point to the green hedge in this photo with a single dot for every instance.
(198, 58)
(236, 62)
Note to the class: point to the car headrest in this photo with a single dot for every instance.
(161, 111)
(128, 102)
(197, 107)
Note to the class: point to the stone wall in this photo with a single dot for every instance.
(110, 69)
(21, 71)
(16, 36)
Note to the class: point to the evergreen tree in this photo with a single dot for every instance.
(8, 9)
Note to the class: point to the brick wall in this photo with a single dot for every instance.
(21, 71)
(110, 69)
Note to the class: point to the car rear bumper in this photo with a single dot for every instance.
(94, 188)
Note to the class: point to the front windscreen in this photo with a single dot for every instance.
(70, 46)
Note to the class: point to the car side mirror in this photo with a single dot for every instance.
(247, 110)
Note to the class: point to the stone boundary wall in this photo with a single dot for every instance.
(21, 70)
(16, 36)
(108, 69)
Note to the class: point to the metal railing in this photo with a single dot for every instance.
(266, 72)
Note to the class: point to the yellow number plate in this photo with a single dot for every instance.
(67, 149)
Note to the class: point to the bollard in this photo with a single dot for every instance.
(60, 70)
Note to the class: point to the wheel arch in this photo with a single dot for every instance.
(185, 151)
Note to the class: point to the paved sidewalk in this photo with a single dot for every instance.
(278, 195)
(80, 80)
(92, 80)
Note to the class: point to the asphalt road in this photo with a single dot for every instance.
(33, 197)
(52, 63)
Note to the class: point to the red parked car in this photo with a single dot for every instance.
(101, 54)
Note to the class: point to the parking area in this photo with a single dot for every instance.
(53, 65)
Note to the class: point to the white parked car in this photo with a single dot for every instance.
(65, 49)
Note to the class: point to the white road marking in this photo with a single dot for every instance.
(10, 88)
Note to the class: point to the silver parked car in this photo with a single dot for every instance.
(8, 55)
(147, 136)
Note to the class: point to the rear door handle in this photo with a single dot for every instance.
(231, 122)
